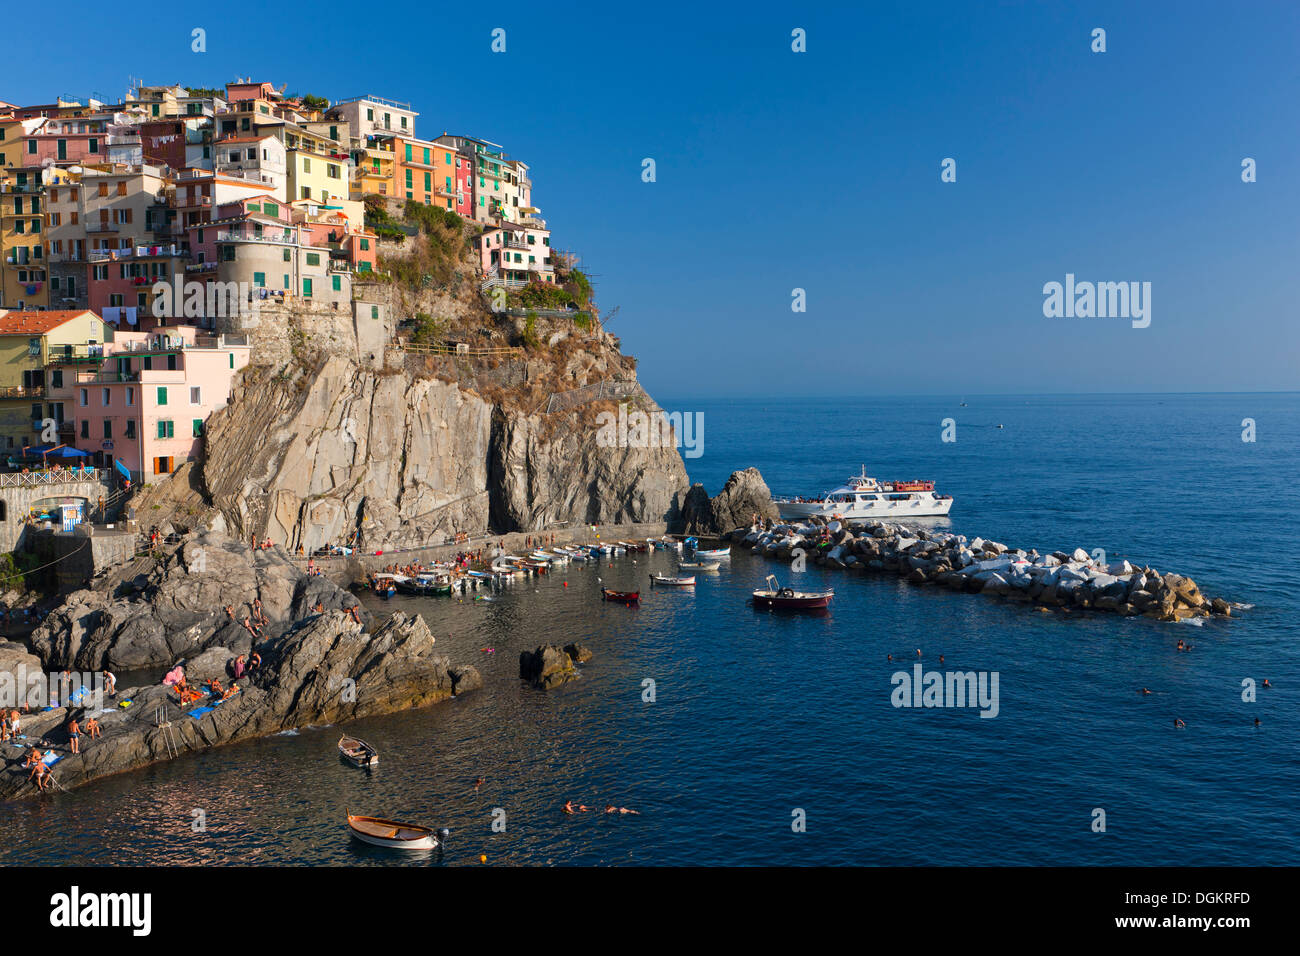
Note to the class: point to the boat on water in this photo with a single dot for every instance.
(698, 565)
(358, 753)
(386, 585)
(393, 834)
(863, 497)
(621, 597)
(426, 582)
(664, 580)
(707, 554)
(775, 596)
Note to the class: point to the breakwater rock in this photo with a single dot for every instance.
(324, 669)
(743, 496)
(550, 666)
(157, 610)
(927, 556)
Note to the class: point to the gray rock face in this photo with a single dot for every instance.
(177, 608)
(407, 460)
(744, 495)
(324, 669)
(540, 475)
(547, 667)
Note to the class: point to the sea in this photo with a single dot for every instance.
(744, 737)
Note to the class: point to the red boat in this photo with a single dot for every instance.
(775, 596)
(622, 597)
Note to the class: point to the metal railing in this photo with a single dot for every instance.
(461, 350)
(63, 476)
(609, 388)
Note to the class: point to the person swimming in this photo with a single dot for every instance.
(1144, 691)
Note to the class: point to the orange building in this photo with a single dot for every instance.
(424, 172)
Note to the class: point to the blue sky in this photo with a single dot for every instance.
(821, 170)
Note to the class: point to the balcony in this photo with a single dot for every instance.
(241, 237)
(101, 227)
(140, 252)
(22, 391)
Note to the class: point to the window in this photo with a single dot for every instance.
(198, 428)
(306, 288)
(171, 361)
(286, 255)
(56, 378)
(426, 152)
(83, 397)
(165, 429)
(306, 165)
(94, 145)
(196, 395)
(227, 253)
(232, 354)
(313, 258)
(106, 397)
(130, 428)
(337, 281)
(162, 395)
(374, 311)
(365, 245)
(108, 429)
(130, 396)
(259, 279)
(85, 428)
(162, 466)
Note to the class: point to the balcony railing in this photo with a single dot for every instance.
(62, 476)
(22, 391)
(241, 237)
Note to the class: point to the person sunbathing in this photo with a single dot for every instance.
(214, 687)
(92, 728)
(230, 692)
(44, 777)
(34, 758)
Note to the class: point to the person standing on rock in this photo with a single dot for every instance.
(110, 683)
(74, 735)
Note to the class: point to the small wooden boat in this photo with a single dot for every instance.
(622, 597)
(386, 585)
(775, 596)
(718, 554)
(357, 752)
(663, 580)
(698, 565)
(390, 833)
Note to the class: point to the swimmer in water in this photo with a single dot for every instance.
(889, 657)
(1266, 683)
(478, 783)
(1144, 691)
(568, 807)
(940, 658)
(1256, 721)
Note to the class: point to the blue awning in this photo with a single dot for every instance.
(126, 472)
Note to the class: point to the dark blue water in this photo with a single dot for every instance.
(756, 715)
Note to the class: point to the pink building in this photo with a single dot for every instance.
(146, 400)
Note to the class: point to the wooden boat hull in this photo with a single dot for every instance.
(719, 554)
(357, 753)
(799, 601)
(391, 834)
(698, 566)
(665, 582)
(621, 597)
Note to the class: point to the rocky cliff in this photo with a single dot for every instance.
(401, 458)
(322, 669)
(173, 607)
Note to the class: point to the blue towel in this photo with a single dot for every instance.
(198, 712)
(51, 758)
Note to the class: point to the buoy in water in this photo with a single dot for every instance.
(482, 857)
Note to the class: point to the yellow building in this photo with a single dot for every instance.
(24, 283)
(317, 175)
(29, 341)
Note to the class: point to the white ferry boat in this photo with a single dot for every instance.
(863, 497)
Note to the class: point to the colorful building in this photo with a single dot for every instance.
(28, 342)
(146, 399)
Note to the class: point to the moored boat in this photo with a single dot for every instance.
(393, 834)
(621, 597)
(664, 580)
(863, 497)
(775, 596)
(357, 752)
(698, 565)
